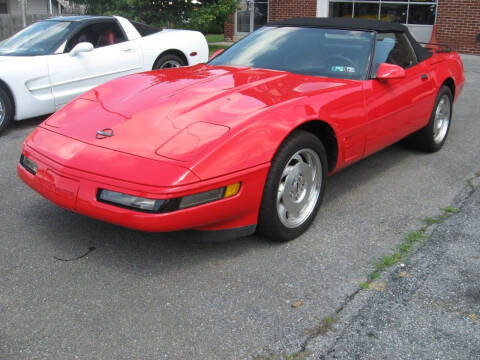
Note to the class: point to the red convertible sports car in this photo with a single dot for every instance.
(244, 143)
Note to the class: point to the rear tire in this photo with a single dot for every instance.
(294, 187)
(432, 137)
(168, 61)
(6, 109)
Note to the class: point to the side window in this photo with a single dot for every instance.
(393, 48)
(99, 34)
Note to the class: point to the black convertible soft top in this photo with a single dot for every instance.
(356, 24)
(343, 23)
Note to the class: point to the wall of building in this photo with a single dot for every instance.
(458, 24)
(39, 7)
(229, 29)
(458, 21)
(284, 9)
(279, 10)
(13, 22)
(10, 24)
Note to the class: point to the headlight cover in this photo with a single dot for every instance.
(166, 206)
(28, 164)
(129, 201)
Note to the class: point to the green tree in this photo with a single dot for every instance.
(153, 12)
(210, 16)
(203, 15)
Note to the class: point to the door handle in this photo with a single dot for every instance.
(424, 77)
(128, 49)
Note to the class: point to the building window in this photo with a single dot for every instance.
(251, 15)
(418, 12)
(3, 7)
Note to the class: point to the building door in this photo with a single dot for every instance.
(251, 15)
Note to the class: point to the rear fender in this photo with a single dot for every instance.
(447, 66)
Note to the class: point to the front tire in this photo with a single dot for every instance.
(168, 61)
(432, 137)
(6, 109)
(294, 187)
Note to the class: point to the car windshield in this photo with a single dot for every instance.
(310, 51)
(41, 38)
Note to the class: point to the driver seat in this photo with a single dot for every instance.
(106, 38)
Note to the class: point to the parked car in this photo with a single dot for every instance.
(245, 142)
(51, 62)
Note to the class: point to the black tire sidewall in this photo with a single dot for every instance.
(269, 224)
(8, 107)
(167, 57)
(424, 139)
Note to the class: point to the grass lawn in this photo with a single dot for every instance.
(215, 38)
(214, 48)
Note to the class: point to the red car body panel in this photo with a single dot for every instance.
(76, 190)
(183, 131)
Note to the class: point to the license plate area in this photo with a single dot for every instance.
(59, 189)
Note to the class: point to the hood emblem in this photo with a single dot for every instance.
(102, 134)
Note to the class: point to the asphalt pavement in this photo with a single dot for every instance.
(425, 308)
(151, 296)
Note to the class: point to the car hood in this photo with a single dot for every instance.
(179, 114)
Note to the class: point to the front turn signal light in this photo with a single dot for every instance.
(232, 190)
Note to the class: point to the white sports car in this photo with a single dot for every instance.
(49, 63)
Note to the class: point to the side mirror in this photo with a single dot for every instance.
(81, 47)
(216, 53)
(390, 71)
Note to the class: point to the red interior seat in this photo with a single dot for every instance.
(106, 38)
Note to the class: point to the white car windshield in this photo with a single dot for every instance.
(41, 38)
(332, 53)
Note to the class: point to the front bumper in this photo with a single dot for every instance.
(77, 191)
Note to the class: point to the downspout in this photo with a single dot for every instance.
(322, 8)
(23, 5)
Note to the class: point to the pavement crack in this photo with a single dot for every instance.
(318, 330)
(90, 249)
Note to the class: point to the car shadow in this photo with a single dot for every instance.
(351, 178)
(16, 128)
(70, 235)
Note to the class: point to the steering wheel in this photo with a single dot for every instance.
(339, 60)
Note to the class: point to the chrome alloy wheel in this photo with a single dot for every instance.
(2, 110)
(170, 64)
(442, 119)
(299, 188)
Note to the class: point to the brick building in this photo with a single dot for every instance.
(458, 21)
